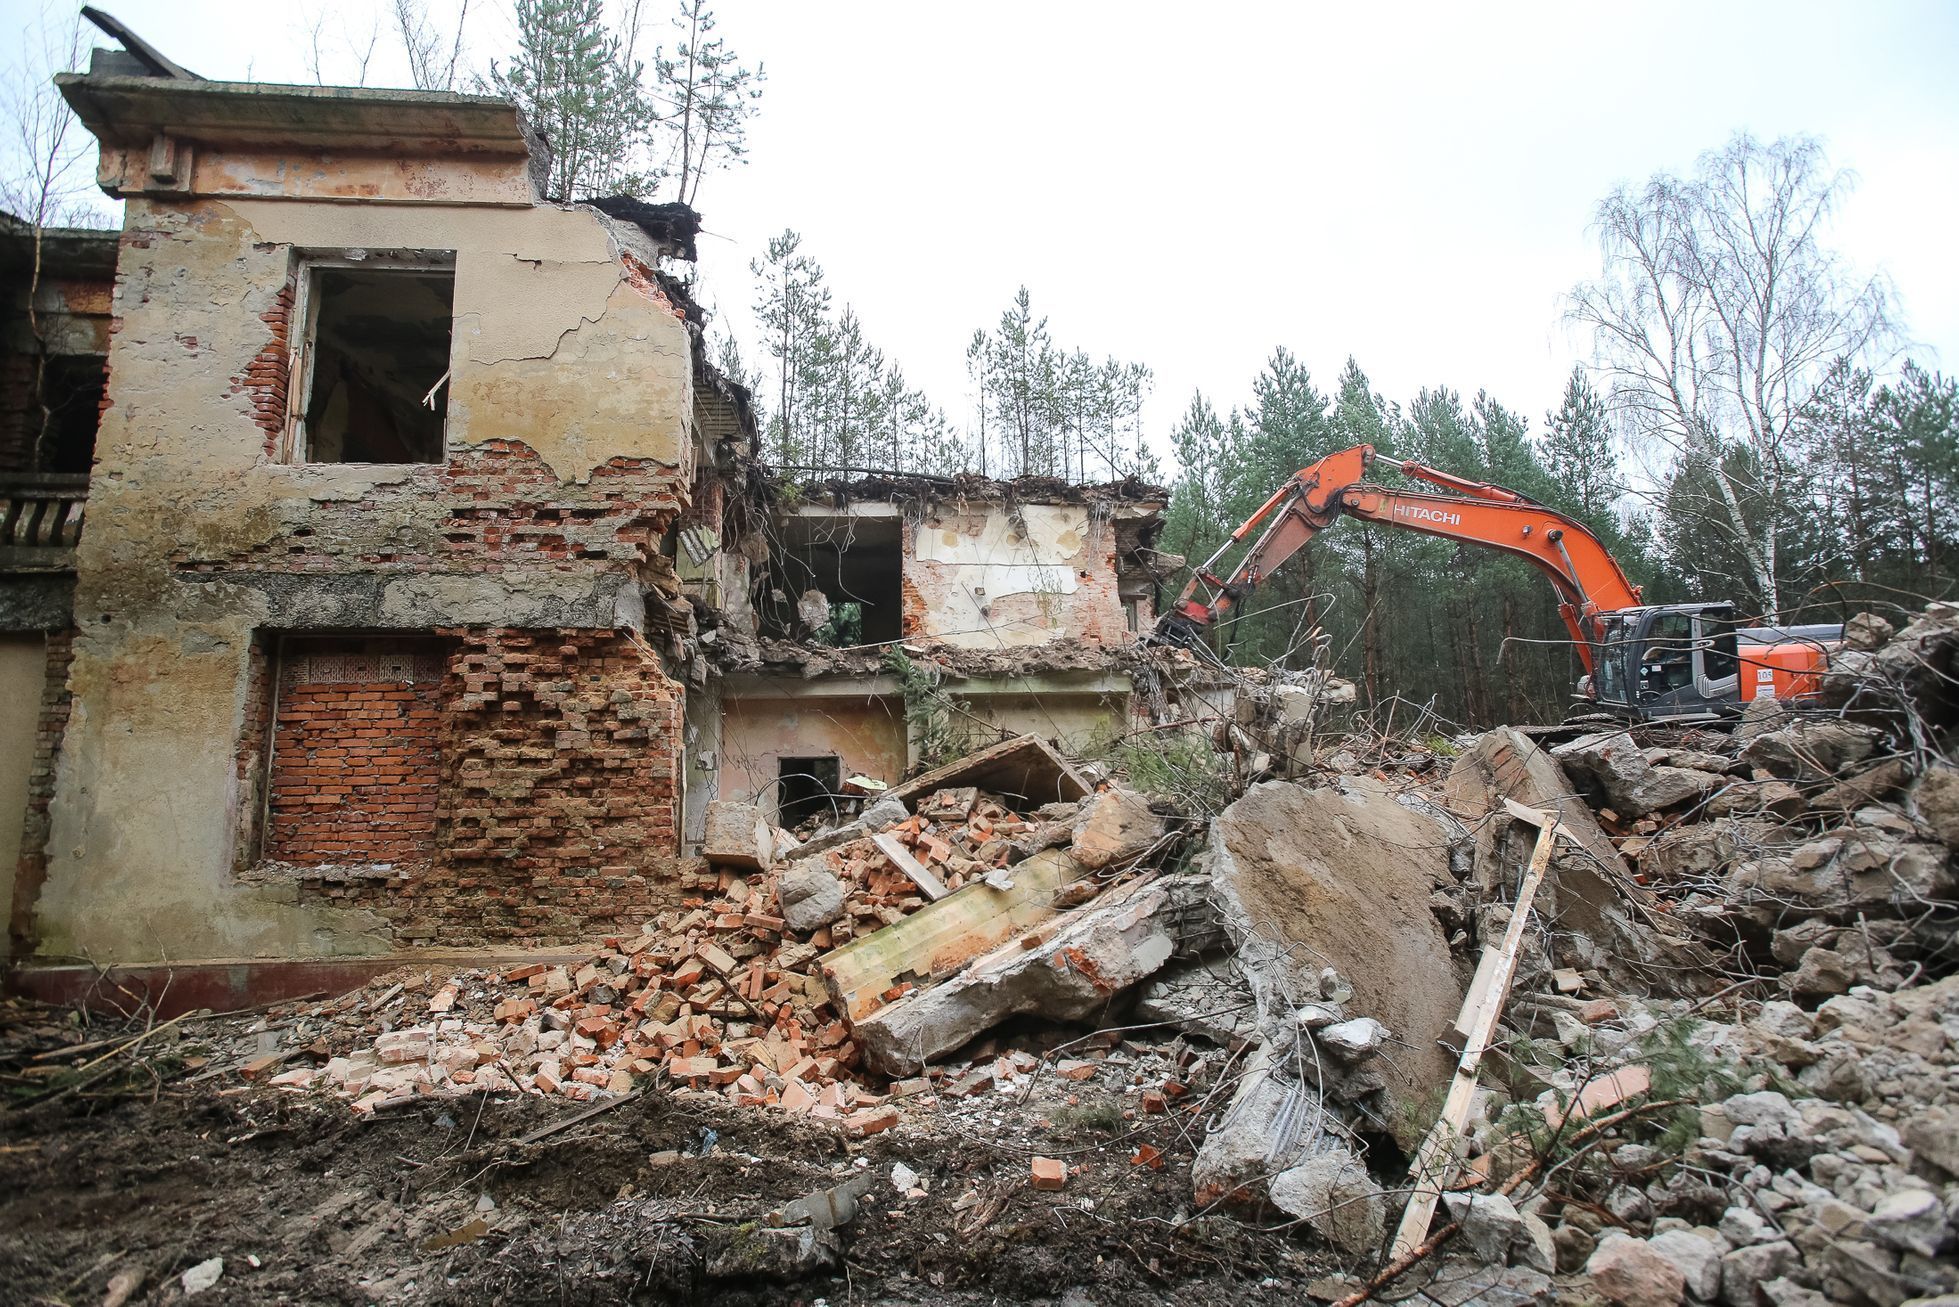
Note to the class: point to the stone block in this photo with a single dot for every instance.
(737, 835)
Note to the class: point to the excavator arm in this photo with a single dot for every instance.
(1589, 581)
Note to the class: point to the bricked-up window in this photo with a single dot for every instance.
(356, 756)
(375, 360)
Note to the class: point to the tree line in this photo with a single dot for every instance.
(835, 403)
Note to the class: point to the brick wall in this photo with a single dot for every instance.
(20, 419)
(265, 378)
(499, 504)
(356, 752)
(556, 805)
(562, 815)
(51, 726)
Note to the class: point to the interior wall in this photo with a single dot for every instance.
(980, 577)
(23, 669)
(868, 735)
(702, 744)
(1073, 722)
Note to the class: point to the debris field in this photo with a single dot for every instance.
(1631, 1015)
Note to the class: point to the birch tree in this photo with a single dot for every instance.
(1716, 315)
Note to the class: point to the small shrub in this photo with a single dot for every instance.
(1178, 766)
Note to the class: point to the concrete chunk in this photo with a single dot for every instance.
(942, 937)
(1629, 784)
(1309, 878)
(1631, 1273)
(737, 835)
(811, 896)
(1333, 1194)
(1116, 826)
(1091, 955)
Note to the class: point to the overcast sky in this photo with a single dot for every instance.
(1190, 186)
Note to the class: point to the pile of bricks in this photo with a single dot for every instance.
(709, 997)
(713, 996)
(957, 836)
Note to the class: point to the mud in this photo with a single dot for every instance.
(628, 1206)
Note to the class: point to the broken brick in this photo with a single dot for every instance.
(871, 1120)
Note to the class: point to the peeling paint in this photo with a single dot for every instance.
(989, 577)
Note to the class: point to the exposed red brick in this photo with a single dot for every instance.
(556, 794)
(265, 376)
(355, 768)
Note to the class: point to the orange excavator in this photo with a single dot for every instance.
(1642, 662)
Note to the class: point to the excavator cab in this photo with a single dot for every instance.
(1669, 661)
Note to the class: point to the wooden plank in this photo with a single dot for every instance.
(1023, 768)
(902, 859)
(1436, 1158)
(943, 936)
(1472, 1002)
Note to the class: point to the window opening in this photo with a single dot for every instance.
(72, 387)
(835, 581)
(805, 788)
(1610, 662)
(1722, 651)
(1668, 663)
(376, 362)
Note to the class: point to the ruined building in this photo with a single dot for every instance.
(429, 587)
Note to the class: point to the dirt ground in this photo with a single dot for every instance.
(163, 1165)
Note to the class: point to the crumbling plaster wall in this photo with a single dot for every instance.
(1068, 715)
(866, 733)
(990, 576)
(23, 672)
(571, 385)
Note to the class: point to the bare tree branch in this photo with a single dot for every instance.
(1717, 314)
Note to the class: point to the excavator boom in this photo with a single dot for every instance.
(1589, 581)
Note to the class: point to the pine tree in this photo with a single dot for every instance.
(1015, 369)
(1579, 454)
(1196, 519)
(709, 98)
(1916, 419)
(793, 312)
(1360, 416)
(579, 86)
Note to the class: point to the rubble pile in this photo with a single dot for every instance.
(736, 991)
(845, 881)
(713, 995)
(1815, 844)
(1725, 1059)
(1794, 1157)
(1798, 1142)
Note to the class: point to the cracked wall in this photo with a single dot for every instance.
(569, 451)
(994, 577)
(866, 732)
